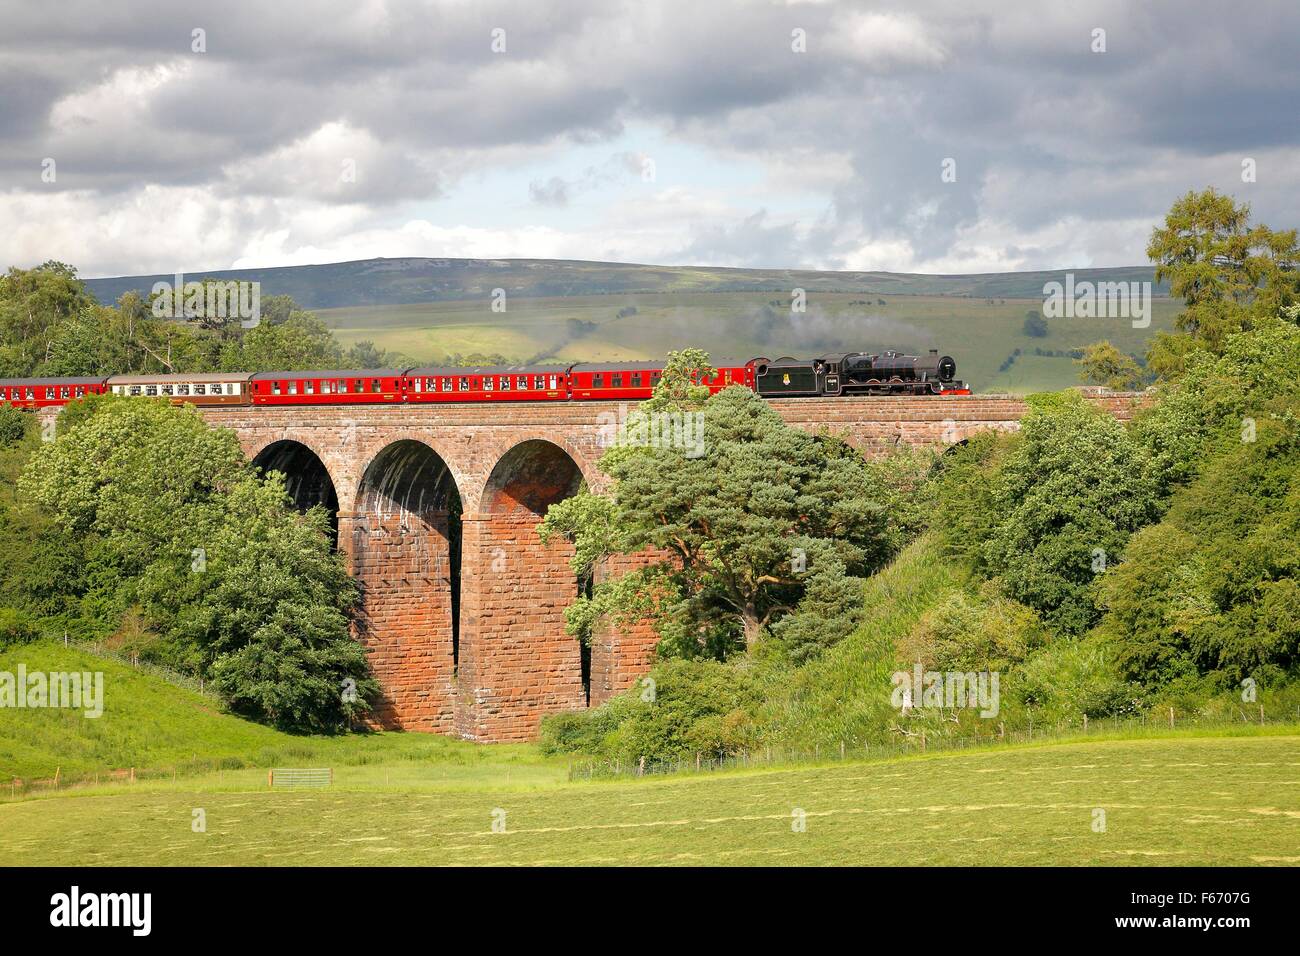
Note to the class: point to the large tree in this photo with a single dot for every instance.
(35, 305)
(756, 523)
(1229, 273)
(182, 540)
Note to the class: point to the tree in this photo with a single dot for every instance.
(34, 305)
(1229, 273)
(761, 519)
(269, 621)
(13, 425)
(1066, 499)
(364, 354)
(1035, 325)
(1103, 364)
(184, 541)
(1214, 588)
(145, 476)
(301, 341)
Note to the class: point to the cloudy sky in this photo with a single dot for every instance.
(141, 137)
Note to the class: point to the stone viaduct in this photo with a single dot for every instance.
(462, 606)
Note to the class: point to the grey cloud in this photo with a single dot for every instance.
(1042, 129)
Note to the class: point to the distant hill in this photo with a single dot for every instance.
(424, 310)
(371, 282)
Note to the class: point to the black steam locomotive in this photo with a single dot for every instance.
(859, 373)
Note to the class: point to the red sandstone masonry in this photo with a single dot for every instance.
(620, 656)
(402, 565)
(516, 662)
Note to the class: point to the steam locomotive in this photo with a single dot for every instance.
(859, 373)
(844, 374)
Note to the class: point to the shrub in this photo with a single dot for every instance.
(692, 707)
(1066, 500)
(984, 632)
(13, 425)
(16, 627)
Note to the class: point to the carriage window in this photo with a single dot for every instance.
(65, 392)
(521, 382)
(182, 389)
(654, 377)
(488, 382)
(151, 390)
(167, 389)
(464, 385)
(200, 390)
(505, 383)
(598, 380)
(31, 395)
(374, 385)
(293, 388)
(327, 387)
(309, 388)
(618, 379)
(343, 386)
(554, 381)
(135, 389)
(275, 388)
(636, 379)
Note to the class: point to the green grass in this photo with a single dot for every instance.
(1180, 801)
(838, 696)
(1228, 797)
(159, 728)
(979, 334)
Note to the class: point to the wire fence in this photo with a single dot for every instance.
(915, 742)
(926, 740)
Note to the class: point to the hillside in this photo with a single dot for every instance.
(425, 310)
(372, 282)
(158, 727)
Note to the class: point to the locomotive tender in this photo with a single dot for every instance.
(844, 374)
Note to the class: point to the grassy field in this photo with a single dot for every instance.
(980, 333)
(1179, 801)
(1195, 797)
(152, 724)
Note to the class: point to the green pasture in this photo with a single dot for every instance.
(1178, 801)
(980, 333)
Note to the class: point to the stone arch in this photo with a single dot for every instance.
(308, 481)
(530, 477)
(518, 663)
(406, 477)
(404, 542)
